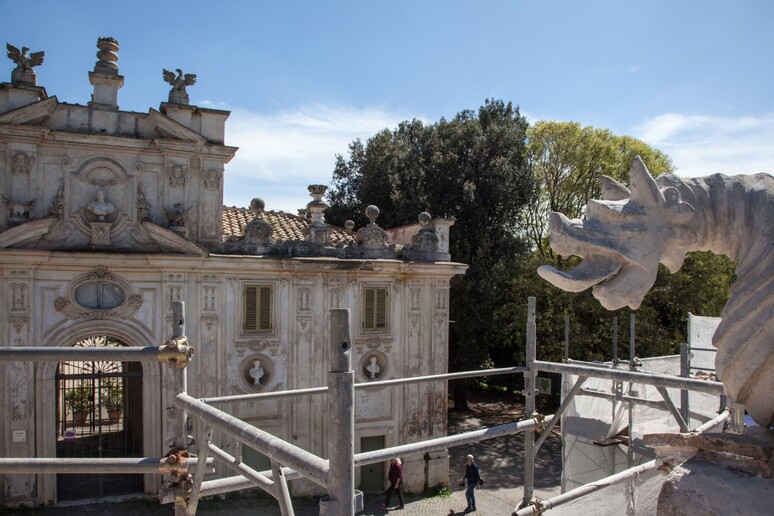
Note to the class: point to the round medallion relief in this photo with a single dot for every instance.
(373, 366)
(256, 372)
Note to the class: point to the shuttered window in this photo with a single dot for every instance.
(258, 308)
(375, 309)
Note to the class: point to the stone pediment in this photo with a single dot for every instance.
(30, 113)
(174, 130)
(171, 241)
(54, 234)
(26, 234)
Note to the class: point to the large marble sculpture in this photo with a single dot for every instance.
(624, 237)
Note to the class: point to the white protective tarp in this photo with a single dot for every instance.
(590, 418)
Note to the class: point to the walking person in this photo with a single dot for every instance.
(395, 476)
(473, 480)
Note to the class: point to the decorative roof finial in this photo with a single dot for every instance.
(105, 78)
(107, 55)
(178, 95)
(23, 74)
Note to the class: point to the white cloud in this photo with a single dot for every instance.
(703, 145)
(280, 154)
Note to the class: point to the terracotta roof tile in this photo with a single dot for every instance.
(285, 225)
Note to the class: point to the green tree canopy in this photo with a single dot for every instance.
(568, 160)
(472, 168)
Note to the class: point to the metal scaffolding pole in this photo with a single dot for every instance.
(450, 441)
(530, 380)
(545, 505)
(659, 380)
(311, 391)
(60, 354)
(341, 419)
(306, 464)
(118, 465)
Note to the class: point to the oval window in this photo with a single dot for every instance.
(99, 295)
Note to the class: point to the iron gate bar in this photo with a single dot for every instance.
(579, 492)
(662, 380)
(307, 464)
(81, 354)
(150, 465)
(450, 441)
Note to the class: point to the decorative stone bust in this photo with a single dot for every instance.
(100, 206)
(256, 372)
(373, 368)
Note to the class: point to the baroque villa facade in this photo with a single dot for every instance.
(109, 216)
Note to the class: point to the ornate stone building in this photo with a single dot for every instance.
(109, 216)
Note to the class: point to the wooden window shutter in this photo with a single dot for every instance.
(258, 308)
(381, 309)
(375, 309)
(264, 309)
(370, 307)
(251, 309)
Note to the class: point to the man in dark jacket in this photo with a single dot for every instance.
(395, 476)
(473, 480)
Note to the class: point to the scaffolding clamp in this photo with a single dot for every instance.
(179, 482)
(540, 421)
(175, 352)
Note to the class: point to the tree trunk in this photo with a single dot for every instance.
(460, 395)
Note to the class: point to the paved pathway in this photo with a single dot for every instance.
(500, 460)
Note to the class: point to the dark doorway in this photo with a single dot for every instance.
(372, 475)
(99, 415)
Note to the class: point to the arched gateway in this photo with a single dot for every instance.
(98, 415)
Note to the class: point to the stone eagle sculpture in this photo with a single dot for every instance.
(179, 81)
(23, 61)
(623, 237)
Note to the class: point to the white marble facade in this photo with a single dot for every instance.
(132, 202)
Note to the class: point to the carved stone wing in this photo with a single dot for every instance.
(14, 54)
(36, 58)
(169, 77)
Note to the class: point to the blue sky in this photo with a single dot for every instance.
(303, 79)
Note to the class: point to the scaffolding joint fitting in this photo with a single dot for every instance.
(540, 421)
(175, 464)
(179, 482)
(176, 352)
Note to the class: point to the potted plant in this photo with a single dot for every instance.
(81, 401)
(113, 400)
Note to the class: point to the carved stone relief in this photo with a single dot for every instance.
(441, 299)
(98, 295)
(264, 345)
(21, 163)
(303, 299)
(415, 294)
(209, 297)
(177, 175)
(211, 178)
(18, 296)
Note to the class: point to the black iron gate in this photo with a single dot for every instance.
(99, 415)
